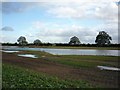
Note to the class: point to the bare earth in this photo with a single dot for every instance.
(92, 75)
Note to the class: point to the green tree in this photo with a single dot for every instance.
(103, 38)
(22, 41)
(37, 42)
(74, 41)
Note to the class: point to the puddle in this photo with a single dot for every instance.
(27, 55)
(9, 51)
(108, 68)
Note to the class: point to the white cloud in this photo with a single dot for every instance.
(61, 33)
(103, 10)
(63, 12)
(107, 11)
(58, 1)
(7, 38)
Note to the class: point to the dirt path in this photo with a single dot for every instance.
(94, 76)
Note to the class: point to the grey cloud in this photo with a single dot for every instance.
(15, 7)
(86, 35)
(7, 28)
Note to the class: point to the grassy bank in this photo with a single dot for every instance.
(86, 61)
(77, 61)
(17, 77)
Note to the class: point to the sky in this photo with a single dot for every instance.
(56, 21)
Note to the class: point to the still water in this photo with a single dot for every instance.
(27, 55)
(69, 51)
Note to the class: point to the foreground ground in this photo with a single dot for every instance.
(58, 71)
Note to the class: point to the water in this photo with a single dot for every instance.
(9, 51)
(27, 55)
(70, 51)
(108, 68)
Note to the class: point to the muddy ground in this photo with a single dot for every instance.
(94, 76)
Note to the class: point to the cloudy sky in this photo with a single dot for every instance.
(57, 21)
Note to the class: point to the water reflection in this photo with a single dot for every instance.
(107, 52)
(71, 51)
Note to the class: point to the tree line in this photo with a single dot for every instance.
(102, 39)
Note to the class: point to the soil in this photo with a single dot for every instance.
(94, 76)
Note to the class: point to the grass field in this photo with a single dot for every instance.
(57, 71)
(17, 77)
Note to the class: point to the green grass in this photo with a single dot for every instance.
(85, 61)
(17, 77)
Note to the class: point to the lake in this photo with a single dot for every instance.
(69, 51)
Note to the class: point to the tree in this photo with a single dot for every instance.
(103, 38)
(22, 41)
(37, 42)
(74, 41)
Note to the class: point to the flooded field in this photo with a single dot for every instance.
(70, 51)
